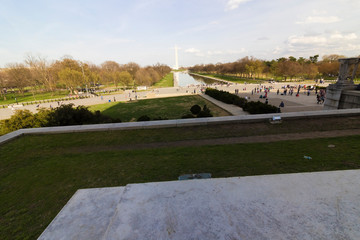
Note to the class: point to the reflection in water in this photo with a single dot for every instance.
(183, 80)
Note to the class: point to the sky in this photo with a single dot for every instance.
(205, 31)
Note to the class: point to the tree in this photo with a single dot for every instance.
(41, 71)
(70, 78)
(3, 84)
(314, 59)
(142, 77)
(19, 76)
(125, 78)
(332, 58)
(131, 68)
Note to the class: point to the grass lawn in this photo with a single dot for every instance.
(39, 174)
(167, 81)
(171, 108)
(28, 97)
(232, 78)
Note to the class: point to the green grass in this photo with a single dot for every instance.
(28, 97)
(40, 173)
(167, 81)
(232, 78)
(171, 108)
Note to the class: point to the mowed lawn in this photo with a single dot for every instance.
(29, 97)
(167, 81)
(39, 174)
(169, 108)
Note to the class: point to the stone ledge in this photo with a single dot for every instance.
(317, 205)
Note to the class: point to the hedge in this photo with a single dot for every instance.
(248, 106)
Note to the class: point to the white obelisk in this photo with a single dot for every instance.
(176, 58)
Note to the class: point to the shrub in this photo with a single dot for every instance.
(189, 115)
(160, 118)
(24, 119)
(251, 107)
(205, 112)
(195, 109)
(226, 97)
(143, 118)
(260, 108)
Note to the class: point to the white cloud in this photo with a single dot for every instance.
(192, 50)
(306, 40)
(323, 43)
(214, 52)
(320, 19)
(233, 4)
(339, 36)
(276, 50)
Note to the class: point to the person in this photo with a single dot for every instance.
(277, 92)
(282, 104)
(266, 101)
(114, 99)
(318, 99)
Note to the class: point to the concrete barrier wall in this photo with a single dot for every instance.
(349, 99)
(179, 123)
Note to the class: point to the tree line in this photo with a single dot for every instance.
(40, 75)
(285, 68)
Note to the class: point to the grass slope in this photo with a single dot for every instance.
(28, 97)
(39, 174)
(171, 108)
(232, 78)
(167, 81)
(36, 183)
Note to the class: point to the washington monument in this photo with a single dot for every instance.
(176, 59)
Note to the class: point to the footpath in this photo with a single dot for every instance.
(230, 108)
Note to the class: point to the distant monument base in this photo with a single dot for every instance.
(341, 98)
(343, 93)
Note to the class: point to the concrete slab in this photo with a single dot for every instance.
(12, 135)
(191, 122)
(85, 216)
(160, 124)
(322, 205)
(230, 108)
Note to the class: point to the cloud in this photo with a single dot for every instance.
(214, 52)
(306, 40)
(339, 36)
(320, 19)
(192, 50)
(324, 43)
(277, 50)
(233, 4)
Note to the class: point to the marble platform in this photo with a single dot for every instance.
(319, 205)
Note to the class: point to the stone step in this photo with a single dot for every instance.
(86, 215)
(318, 205)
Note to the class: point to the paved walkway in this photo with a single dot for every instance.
(292, 103)
(232, 109)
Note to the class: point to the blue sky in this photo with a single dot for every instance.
(205, 31)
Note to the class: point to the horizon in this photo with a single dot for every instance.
(146, 32)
